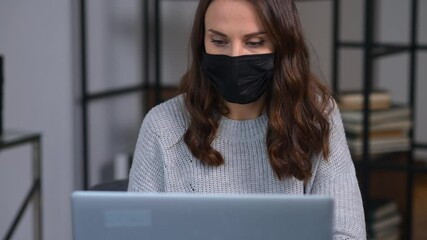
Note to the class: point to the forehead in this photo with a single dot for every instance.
(233, 15)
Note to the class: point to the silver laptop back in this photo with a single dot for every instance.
(155, 216)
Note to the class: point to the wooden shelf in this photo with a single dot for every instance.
(420, 207)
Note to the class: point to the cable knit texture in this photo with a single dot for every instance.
(163, 163)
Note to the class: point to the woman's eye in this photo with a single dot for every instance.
(255, 43)
(219, 43)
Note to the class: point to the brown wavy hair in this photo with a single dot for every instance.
(297, 103)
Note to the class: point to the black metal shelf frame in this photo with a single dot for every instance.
(398, 167)
(372, 51)
(380, 50)
(87, 97)
(16, 139)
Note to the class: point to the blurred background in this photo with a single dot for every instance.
(81, 75)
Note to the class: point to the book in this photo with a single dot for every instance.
(388, 133)
(394, 113)
(357, 128)
(381, 145)
(380, 208)
(393, 234)
(354, 100)
(382, 227)
(383, 219)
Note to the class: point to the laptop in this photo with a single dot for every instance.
(179, 216)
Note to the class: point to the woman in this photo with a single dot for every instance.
(251, 118)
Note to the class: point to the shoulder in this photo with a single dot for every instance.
(168, 119)
(337, 135)
(339, 160)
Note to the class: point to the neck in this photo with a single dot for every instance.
(245, 111)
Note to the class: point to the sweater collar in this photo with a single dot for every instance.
(243, 129)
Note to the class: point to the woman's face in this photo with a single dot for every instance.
(233, 28)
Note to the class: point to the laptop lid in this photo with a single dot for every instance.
(123, 215)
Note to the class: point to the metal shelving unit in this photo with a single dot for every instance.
(371, 52)
(11, 139)
(150, 85)
(14, 139)
(88, 98)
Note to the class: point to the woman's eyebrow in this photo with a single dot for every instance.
(249, 35)
(217, 32)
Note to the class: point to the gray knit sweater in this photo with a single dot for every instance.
(163, 163)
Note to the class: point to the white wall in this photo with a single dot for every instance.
(317, 29)
(36, 40)
(176, 26)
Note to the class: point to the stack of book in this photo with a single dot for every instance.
(353, 100)
(389, 124)
(384, 220)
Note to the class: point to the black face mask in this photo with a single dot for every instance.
(241, 79)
